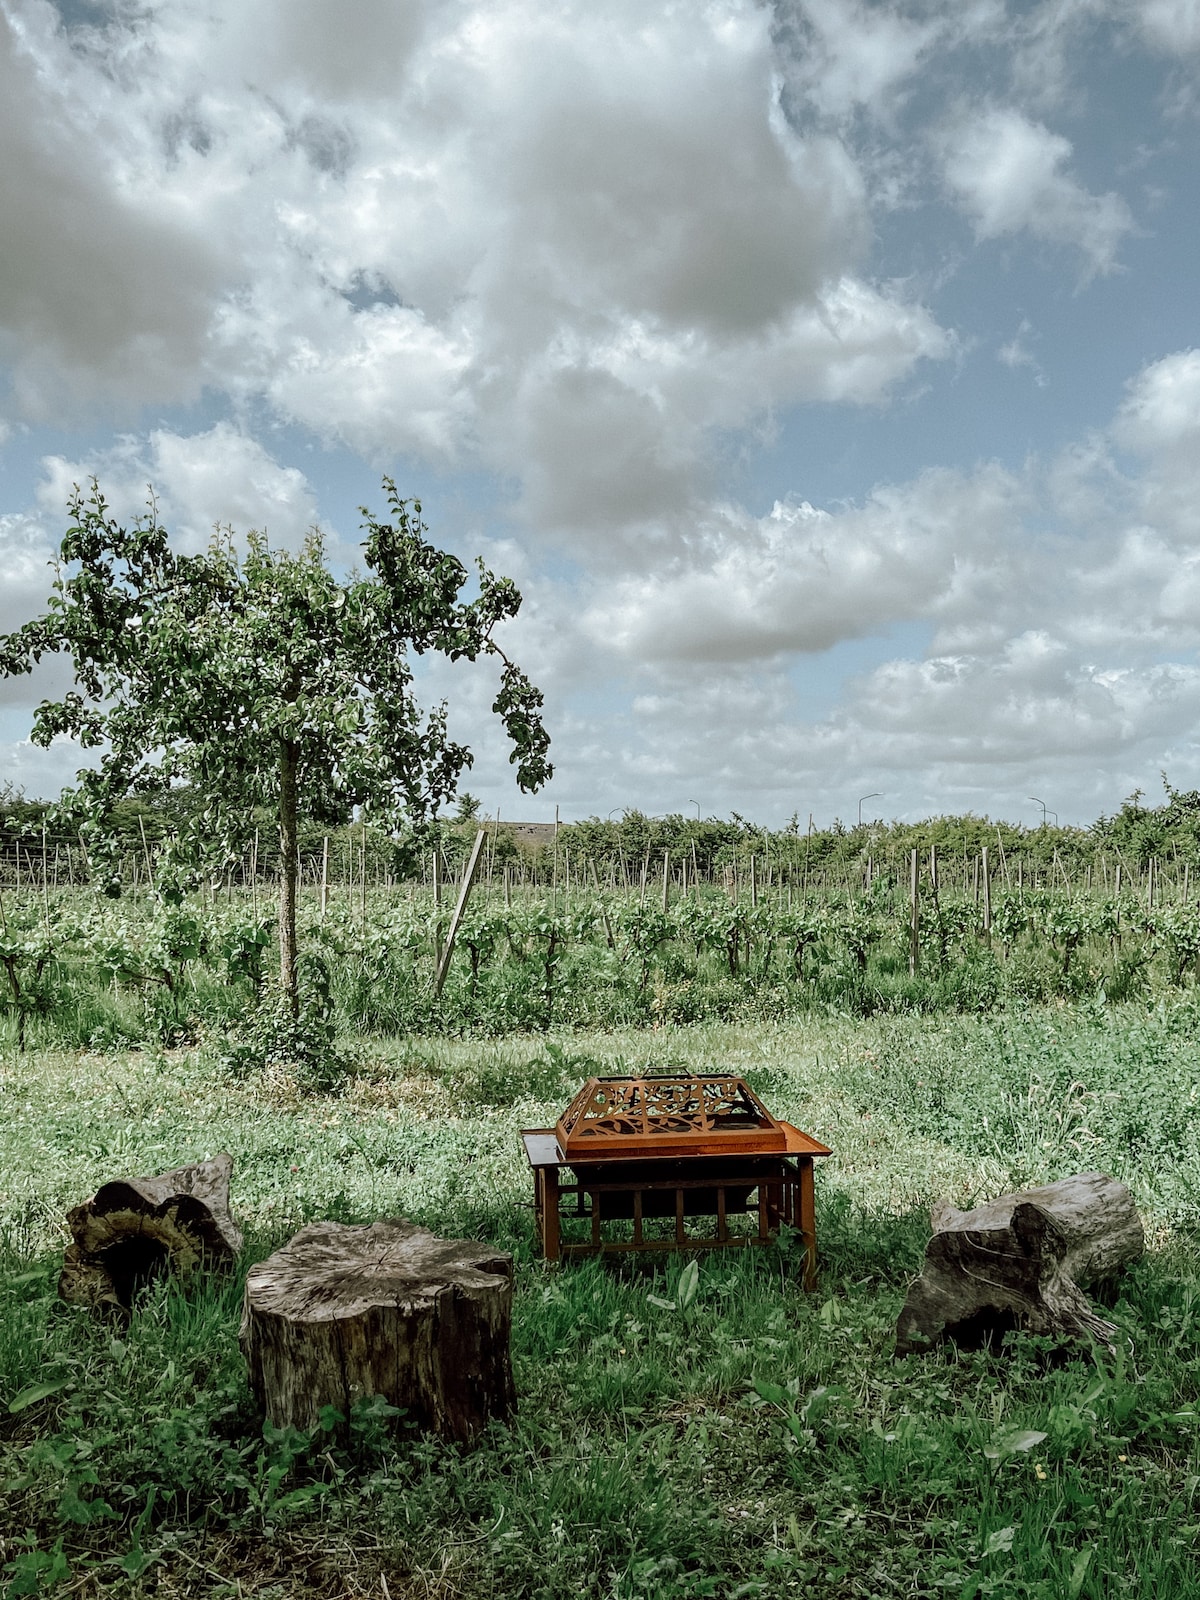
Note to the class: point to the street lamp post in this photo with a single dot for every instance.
(695, 803)
(874, 795)
(1041, 803)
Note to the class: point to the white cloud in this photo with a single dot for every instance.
(1161, 413)
(535, 225)
(221, 476)
(1059, 607)
(803, 580)
(848, 54)
(1010, 175)
(1171, 25)
(106, 282)
(1015, 353)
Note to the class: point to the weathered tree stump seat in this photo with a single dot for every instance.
(1021, 1261)
(134, 1230)
(343, 1313)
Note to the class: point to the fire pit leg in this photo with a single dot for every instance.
(806, 1198)
(550, 1218)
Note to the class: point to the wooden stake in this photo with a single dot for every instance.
(608, 933)
(1003, 861)
(987, 897)
(461, 905)
(324, 876)
(145, 850)
(914, 927)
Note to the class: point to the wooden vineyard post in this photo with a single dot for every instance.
(608, 933)
(666, 870)
(987, 897)
(1003, 861)
(324, 876)
(753, 881)
(145, 851)
(460, 907)
(914, 926)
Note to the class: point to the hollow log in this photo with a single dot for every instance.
(1022, 1261)
(343, 1313)
(134, 1230)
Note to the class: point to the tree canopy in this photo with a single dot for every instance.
(259, 679)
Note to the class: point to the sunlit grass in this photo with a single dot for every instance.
(756, 1441)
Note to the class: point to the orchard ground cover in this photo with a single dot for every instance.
(80, 970)
(681, 1433)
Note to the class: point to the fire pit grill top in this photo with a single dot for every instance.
(684, 1114)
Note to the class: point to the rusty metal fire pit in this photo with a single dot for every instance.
(632, 1150)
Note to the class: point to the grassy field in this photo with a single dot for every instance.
(752, 1442)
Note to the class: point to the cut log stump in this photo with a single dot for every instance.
(343, 1313)
(1021, 1261)
(134, 1230)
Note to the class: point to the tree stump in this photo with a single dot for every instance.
(1021, 1261)
(134, 1230)
(343, 1313)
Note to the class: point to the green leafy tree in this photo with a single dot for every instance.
(260, 680)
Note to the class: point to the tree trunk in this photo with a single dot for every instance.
(287, 872)
(344, 1313)
(134, 1230)
(1021, 1261)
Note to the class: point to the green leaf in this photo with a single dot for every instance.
(1012, 1443)
(1079, 1569)
(663, 1305)
(773, 1393)
(999, 1542)
(689, 1282)
(35, 1392)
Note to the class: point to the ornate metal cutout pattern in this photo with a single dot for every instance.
(687, 1112)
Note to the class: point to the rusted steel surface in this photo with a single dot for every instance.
(636, 1151)
(618, 1118)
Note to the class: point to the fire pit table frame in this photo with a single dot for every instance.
(783, 1181)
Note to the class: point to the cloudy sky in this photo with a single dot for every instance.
(827, 373)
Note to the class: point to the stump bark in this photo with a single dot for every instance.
(134, 1230)
(343, 1313)
(1021, 1261)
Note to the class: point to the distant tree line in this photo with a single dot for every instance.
(621, 850)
